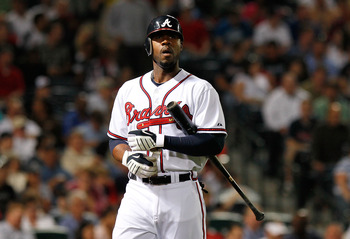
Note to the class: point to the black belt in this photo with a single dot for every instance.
(161, 180)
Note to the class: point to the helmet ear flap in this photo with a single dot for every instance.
(148, 46)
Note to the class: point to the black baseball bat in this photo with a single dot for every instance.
(188, 127)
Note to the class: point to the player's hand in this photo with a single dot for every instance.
(140, 164)
(143, 140)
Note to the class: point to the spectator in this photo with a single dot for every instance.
(231, 29)
(250, 89)
(274, 62)
(336, 49)
(11, 77)
(103, 230)
(315, 85)
(331, 94)
(7, 193)
(60, 208)
(94, 131)
(235, 232)
(318, 57)
(77, 154)
(102, 98)
(23, 144)
(119, 19)
(345, 71)
(303, 44)
(252, 229)
(234, 64)
(300, 23)
(87, 65)
(55, 53)
(334, 231)
(297, 66)
(297, 155)
(341, 190)
(275, 230)
(273, 29)
(87, 10)
(86, 181)
(37, 36)
(254, 12)
(197, 44)
(280, 108)
(42, 113)
(36, 187)
(11, 226)
(16, 178)
(34, 218)
(42, 87)
(43, 7)
(6, 144)
(321, 14)
(77, 215)
(85, 231)
(329, 142)
(14, 109)
(19, 21)
(301, 227)
(52, 173)
(76, 116)
(7, 38)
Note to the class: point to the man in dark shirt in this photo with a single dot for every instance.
(297, 154)
(328, 146)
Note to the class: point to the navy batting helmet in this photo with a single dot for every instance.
(162, 23)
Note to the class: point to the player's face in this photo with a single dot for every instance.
(166, 48)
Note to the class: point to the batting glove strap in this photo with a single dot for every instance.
(160, 141)
(143, 140)
(139, 164)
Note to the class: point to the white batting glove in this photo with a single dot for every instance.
(140, 164)
(143, 140)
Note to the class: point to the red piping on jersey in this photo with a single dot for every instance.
(166, 95)
(202, 209)
(157, 121)
(117, 136)
(144, 90)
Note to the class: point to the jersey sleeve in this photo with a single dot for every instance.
(209, 116)
(118, 125)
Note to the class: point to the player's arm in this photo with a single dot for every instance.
(195, 145)
(118, 148)
(137, 163)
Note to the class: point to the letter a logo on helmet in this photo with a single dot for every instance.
(166, 23)
(162, 23)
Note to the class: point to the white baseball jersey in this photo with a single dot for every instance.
(140, 104)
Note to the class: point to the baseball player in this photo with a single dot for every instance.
(163, 197)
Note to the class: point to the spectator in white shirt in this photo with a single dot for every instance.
(11, 226)
(19, 21)
(37, 36)
(272, 29)
(281, 107)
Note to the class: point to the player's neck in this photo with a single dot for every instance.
(160, 76)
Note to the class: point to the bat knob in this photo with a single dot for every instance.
(260, 216)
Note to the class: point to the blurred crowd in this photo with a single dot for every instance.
(282, 70)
